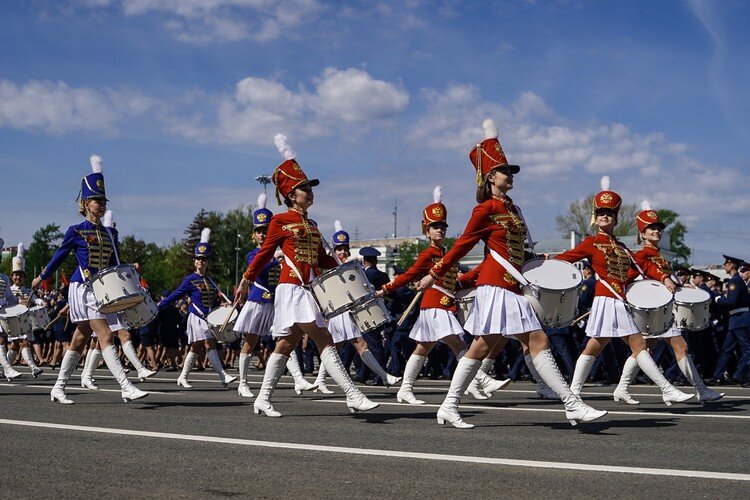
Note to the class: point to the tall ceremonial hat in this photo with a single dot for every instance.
(648, 217)
(435, 212)
(606, 198)
(262, 215)
(488, 154)
(203, 249)
(289, 175)
(92, 185)
(340, 237)
(19, 261)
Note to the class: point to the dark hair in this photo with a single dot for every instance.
(287, 201)
(373, 261)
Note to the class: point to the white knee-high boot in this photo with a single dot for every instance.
(373, 365)
(355, 400)
(29, 358)
(669, 393)
(705, 395)
(112, 360)
(466, 369)
(274, 368)
(629, 371)
(406, 392)
(542, 389)
(575, 409)
(67, 366)
(581, 373)
(320, 381)
(187, 365)
(9, 372)
(129, 351)
(300, 383)
(224, 378)
(87, 375)
(489, 385)
(243, 389)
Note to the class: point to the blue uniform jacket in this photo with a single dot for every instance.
(268, 279)
(586, 298)
(736, 297)
(92, 246)
(203, 293)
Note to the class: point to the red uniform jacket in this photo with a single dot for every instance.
(300, 241)
(499, 225)
(650, 256)
(612, 262)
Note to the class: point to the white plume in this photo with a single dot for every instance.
(337, 226)
(262, 198)
(437, 194)
(605, 183)
(645, 205)
(96, 164)
(205, 234)
(21, 250)
(490, 130)
(284, 148)
(107, 221)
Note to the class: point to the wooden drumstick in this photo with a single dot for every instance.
(579, 318)
(409, 309)
(52, 322)
(226, 320)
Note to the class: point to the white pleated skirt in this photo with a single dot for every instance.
(83, 305)
(294, 304)
(610, 318)
(497, 310)
(342, 328)
(256, 318)
(197, 329)
(433, 324)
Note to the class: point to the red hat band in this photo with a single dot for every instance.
(647, 218)
(286, 177)
(434, 212)
(487, 156)
(607, 199)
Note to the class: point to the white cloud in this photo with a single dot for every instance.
(57, 108)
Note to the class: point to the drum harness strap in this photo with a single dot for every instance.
(608, 286)
(509, 267)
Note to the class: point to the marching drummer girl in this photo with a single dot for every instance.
(650, 231)
(614, 266)
(6, 299)
(296, 312)
(499, 307)
(118, 327)
(95, 248)
(342, 326)
(256, 318)
(204, 295)
(437, 321)
(18, 276)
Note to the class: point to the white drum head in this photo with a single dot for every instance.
(691, 296)
(552, 274)
(218, 315)
(13, 311)
(647, 294)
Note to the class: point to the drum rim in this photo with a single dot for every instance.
(333, 270)
(361, 303)
(637, 308)
(534, 285)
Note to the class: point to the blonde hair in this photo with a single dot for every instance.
(82, 207)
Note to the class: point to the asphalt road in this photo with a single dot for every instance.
(206, 442)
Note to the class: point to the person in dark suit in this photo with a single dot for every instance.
(374, 338)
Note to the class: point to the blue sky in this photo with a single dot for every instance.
(380, 100)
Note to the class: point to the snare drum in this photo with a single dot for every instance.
(464, 303)
(553, 290)
(140, 314)
(216, 318)
(39, 317)
(117, 288)
(650, 304)
(370, 315)
(691, 309)
(15, 321)
(341, 289)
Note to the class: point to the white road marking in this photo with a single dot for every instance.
(72, 388)
(391, 453)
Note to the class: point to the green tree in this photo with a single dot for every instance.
(43, 244)
(676, 230)
(407, 253)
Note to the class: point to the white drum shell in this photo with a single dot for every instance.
(15, 321)
(341, 289)
(370, 315)
(650, 303)
(691, 309)
(553, 290)
(464, 302)
(141, 314)
(215, 320)
(117, 288)
(39, 317)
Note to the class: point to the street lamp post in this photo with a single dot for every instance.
(237, 260)
(265, 180)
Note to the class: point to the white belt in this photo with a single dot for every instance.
(739, 310)
(509, 267)
(444, 290)
(258, 285)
